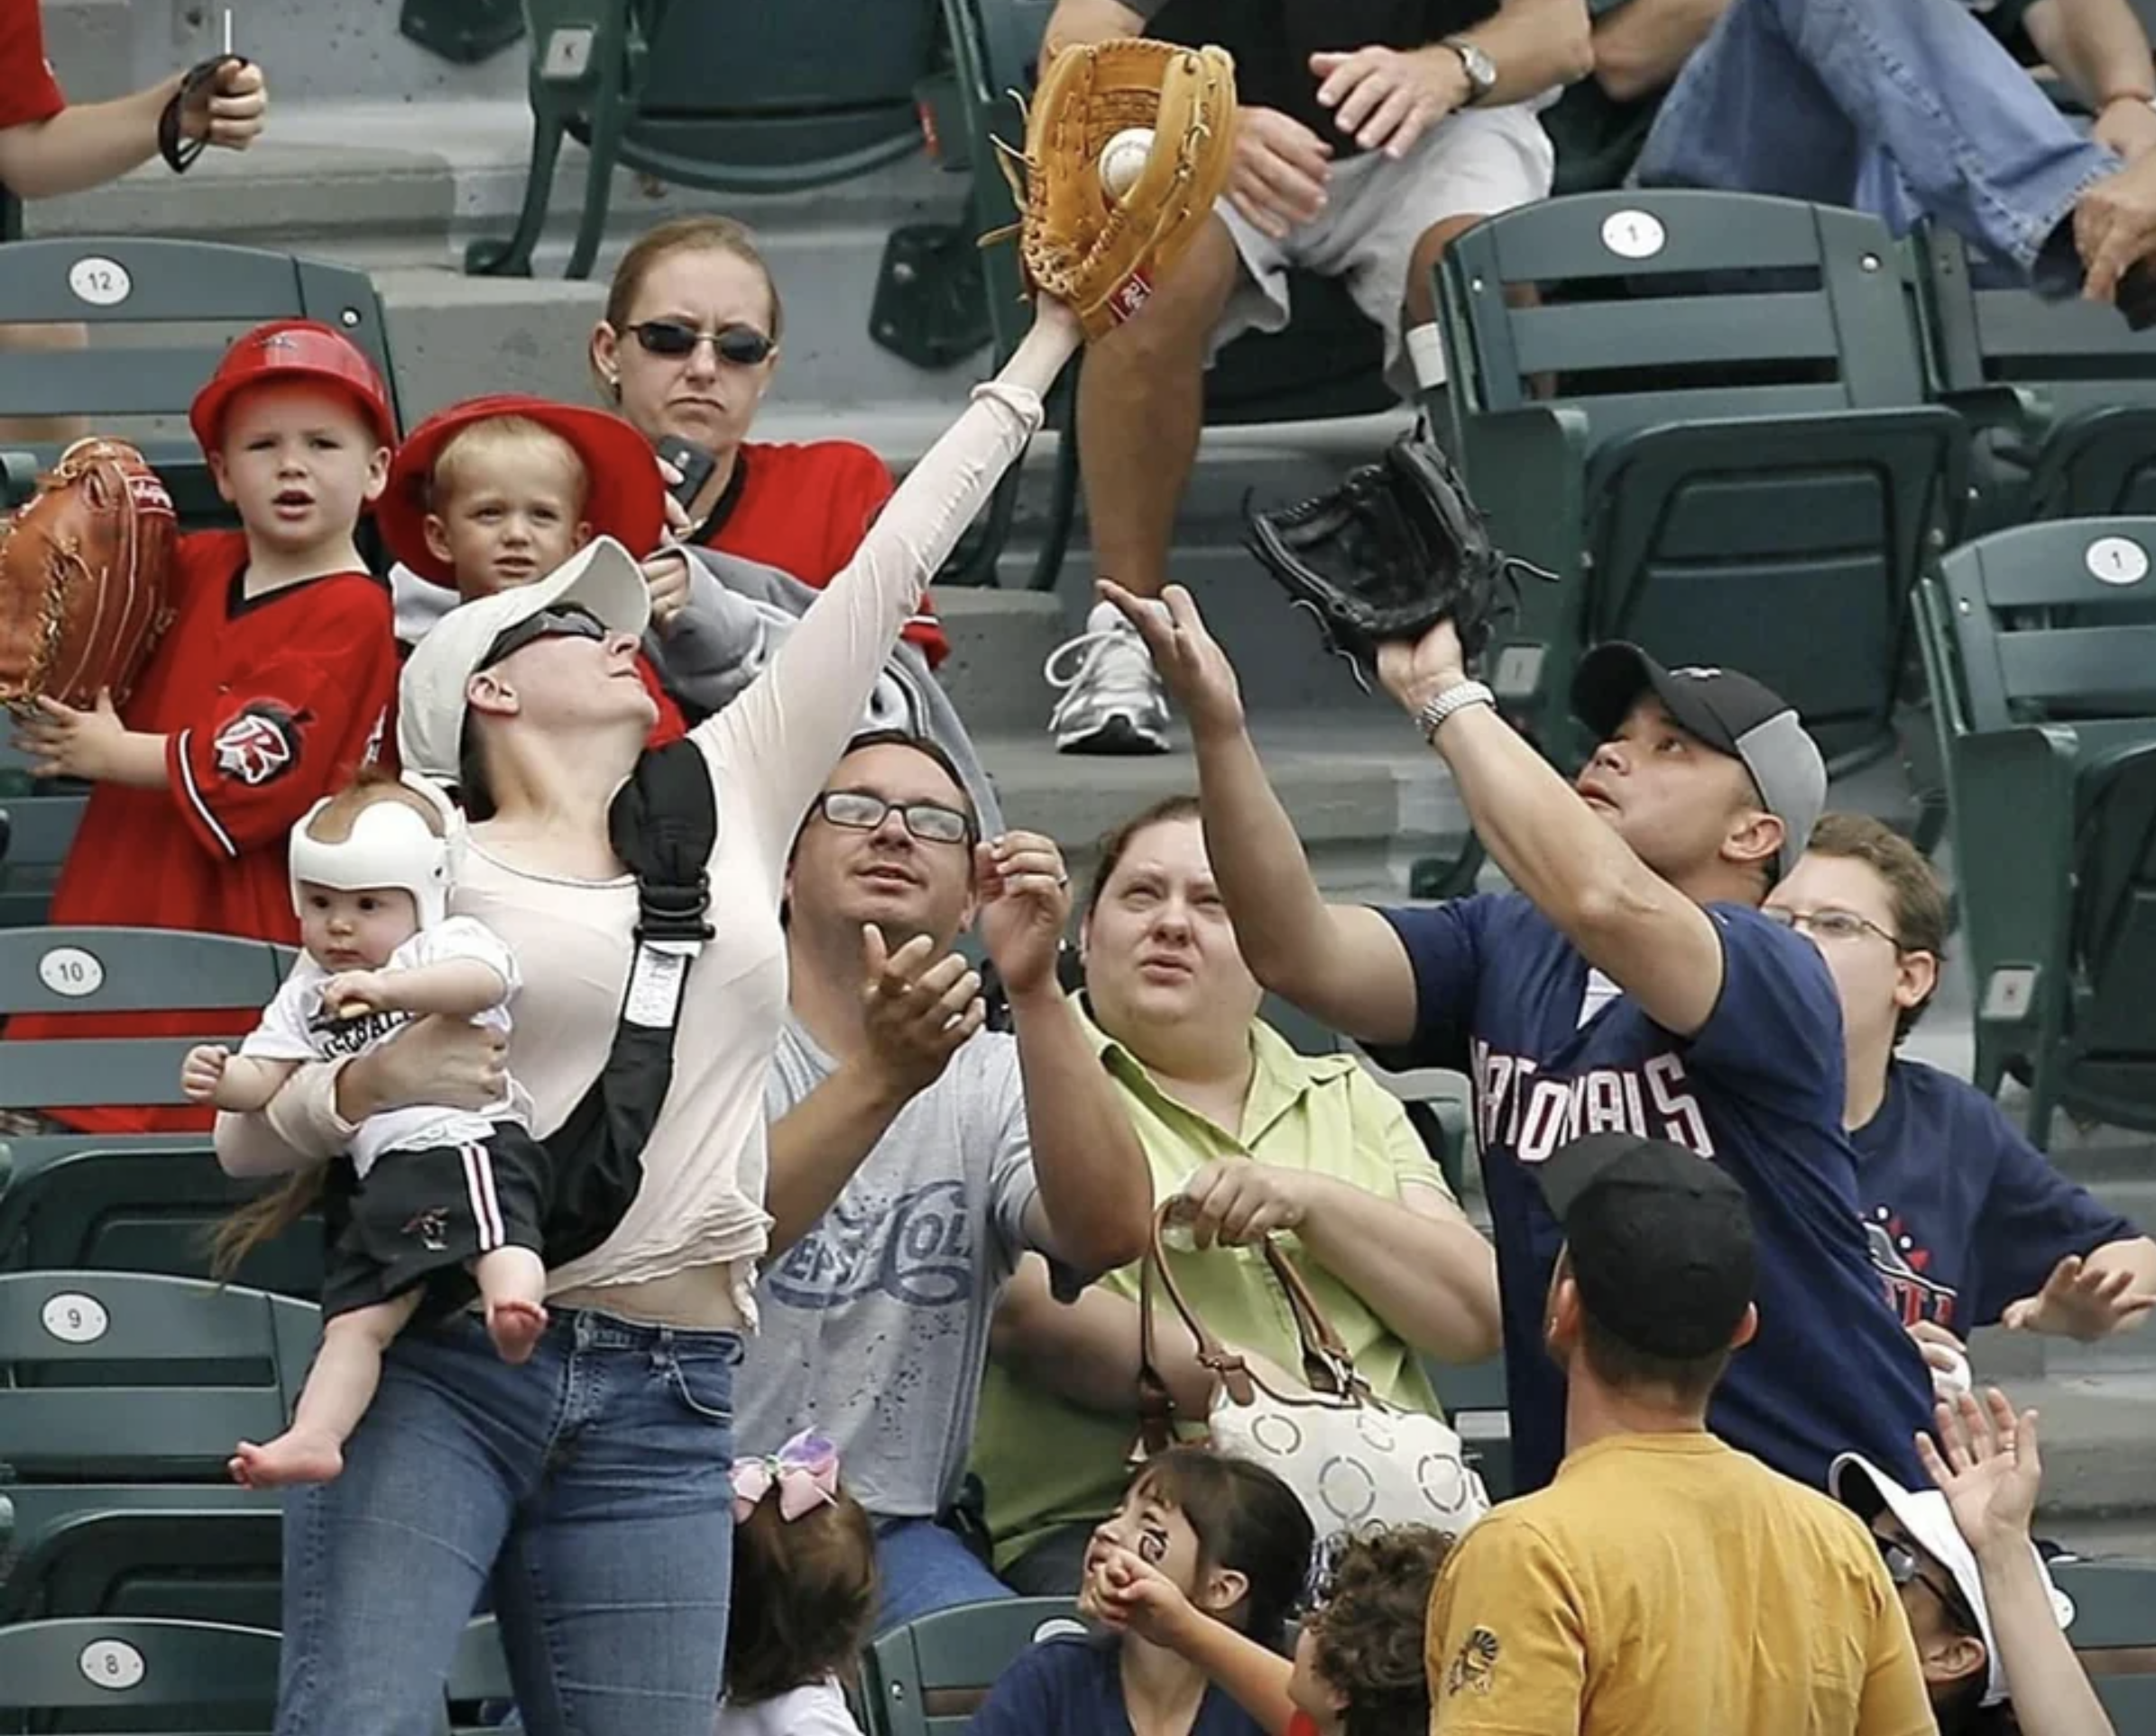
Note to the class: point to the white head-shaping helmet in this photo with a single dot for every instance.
(390, 845)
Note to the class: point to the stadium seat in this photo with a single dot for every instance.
(133, 1376)
(2114, 1632)
(38, 818)
(1328, 363)
(1476, 1401)
(737, 99)
(2041, 650)
(2061, 395)
(928, 1677)
(1738, 451)
(216, 1563)
(194, 297)
(112, 1674)
(102, 1200)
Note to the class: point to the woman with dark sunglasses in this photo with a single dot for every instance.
(1989, 1623)
(586, 1490)
(685, 351)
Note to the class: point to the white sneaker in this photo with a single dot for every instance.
(1113, 702)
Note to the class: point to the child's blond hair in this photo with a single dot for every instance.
(494, 437)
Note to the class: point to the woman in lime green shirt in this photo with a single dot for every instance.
(1256, 1138)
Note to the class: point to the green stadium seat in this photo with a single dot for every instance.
(137, 1377)
(113, 1201)
(115, 1674)
(220, 1563)
(2114, 1632)
(928, 1677)
(1738, 445)
(737, 99)
(2040, 649)
(2061, 395)
(187, 298)
(1328, 363)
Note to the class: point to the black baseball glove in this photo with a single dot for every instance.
(1392, 551)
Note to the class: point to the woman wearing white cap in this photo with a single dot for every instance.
(588, 1487)
(1989, 1624)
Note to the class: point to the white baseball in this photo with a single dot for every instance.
(1123, 160)
(1950, 1383)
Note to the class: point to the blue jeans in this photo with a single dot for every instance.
(922, 1567)
(1904, 108)
(590, 1486)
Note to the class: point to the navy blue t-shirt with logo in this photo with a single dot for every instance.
(1963, 1215)
(1554, 1050)
(1072, 1685)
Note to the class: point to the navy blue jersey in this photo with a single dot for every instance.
(1501, 992)
(1068, 1685)
(1963, 1213)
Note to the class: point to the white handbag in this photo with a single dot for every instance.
(1353, 1459)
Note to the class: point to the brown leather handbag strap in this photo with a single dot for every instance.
(1155, 1404)
(1326, 1363)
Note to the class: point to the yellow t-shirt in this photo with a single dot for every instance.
(1045, 1462)
(1664, 1585)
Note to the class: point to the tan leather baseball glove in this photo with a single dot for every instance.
(85, 565)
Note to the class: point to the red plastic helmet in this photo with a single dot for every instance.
(291, 349)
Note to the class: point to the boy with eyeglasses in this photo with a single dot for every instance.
(1968, 1223)
(914, 1156)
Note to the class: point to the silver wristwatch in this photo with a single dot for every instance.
(1431, 718)
(1481, 70)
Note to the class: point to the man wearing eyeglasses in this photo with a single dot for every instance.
(1968, 1223)
(916, 1156)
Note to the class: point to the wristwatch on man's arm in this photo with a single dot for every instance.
(1481, 70)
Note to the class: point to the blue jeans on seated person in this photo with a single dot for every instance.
(590, 1485)
(922, 1567)
(1905, 108)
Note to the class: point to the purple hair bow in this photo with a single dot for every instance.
(804, 1473)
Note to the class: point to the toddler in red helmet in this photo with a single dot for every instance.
(266, 692)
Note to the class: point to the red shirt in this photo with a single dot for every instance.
(28, 90)
(267, 705)
(803, 510)
(671, 726)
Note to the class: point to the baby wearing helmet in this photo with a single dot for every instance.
(445, 1203)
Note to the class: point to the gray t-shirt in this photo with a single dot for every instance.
(875, 1326)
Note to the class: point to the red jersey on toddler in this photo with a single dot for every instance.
(267, 705)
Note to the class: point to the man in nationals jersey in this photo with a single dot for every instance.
(1630, 986)
(268, 689)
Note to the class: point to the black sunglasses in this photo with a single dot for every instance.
(743, 346)
(564, 620)
(1905, 1566)
(860, 811)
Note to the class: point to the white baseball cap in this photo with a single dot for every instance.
(1861, 1486)
(601, 577)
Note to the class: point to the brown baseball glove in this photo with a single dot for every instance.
(1100, 254)
(84, 569)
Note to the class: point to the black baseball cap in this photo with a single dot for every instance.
(1728, 710)
(1659, 1239)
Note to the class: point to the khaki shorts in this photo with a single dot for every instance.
(1476, 163)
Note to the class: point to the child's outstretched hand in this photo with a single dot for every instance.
(202, 1071)
(354, 991)
(1134, 1597)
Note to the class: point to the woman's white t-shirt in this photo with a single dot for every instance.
(818, 1710)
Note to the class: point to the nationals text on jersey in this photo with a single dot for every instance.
(1531, 1116)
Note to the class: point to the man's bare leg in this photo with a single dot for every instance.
(1141, 408)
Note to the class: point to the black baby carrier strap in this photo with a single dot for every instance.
(663, 823)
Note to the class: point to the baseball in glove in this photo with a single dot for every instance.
(1095, 234)
(1395, 549)
(84, 568)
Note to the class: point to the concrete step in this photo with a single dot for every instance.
(311, 49)
(1363, 805)
(2096, 1431)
